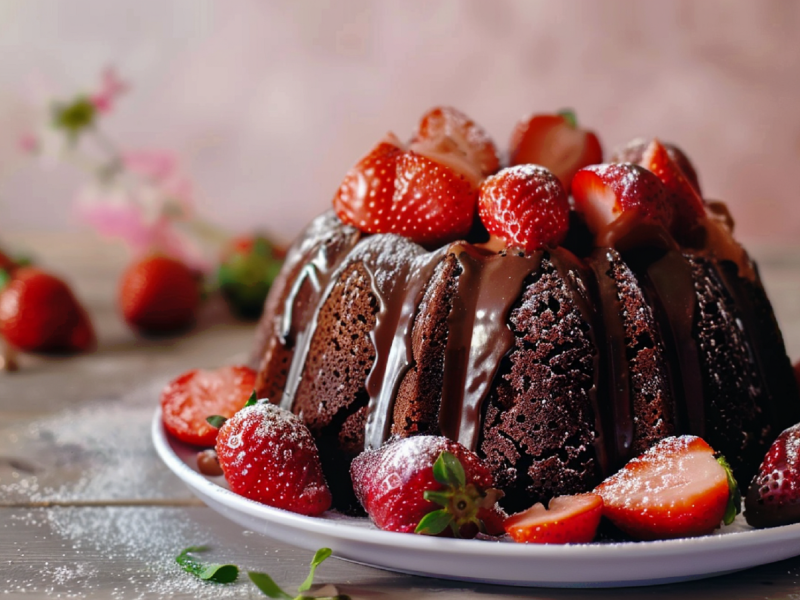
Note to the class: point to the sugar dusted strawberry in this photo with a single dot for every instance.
(603, 193)
(676, 489)
(449, 136)
(774, 495)
(689, 207)
(555, 142)
(427, 484)
(634, 150)
(39, 313)
(525, 206)
(268, 455)
(189, 399)
(567, 520)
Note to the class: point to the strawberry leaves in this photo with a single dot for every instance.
(734, 506)
(459, 500)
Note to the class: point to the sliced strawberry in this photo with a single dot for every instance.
(633, 151)
(689, 207)
(676, 489)
(188, 400)
(525, 206)
(568, 520)
(396, 191)
(449, 136)
(368, 188)
(555, 142)
(774, 495)
(603, 193)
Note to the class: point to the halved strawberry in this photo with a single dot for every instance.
(555, 142)
(391, 190)
(449, 136)
(189, 399)
(634, 150)
(368, 187)
(525, 206)
(568, 520)
(689, 207)
(774, 495)
(676, 489)
(603, 193)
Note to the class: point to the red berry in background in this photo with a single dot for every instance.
(555, 142)
(427, 484)
(39, 313)
(678, 488)
(446, 134)
(189, 399)
(268, 455)
(525, 206)
(773, 497)
(248, 267)
(634, 150)
(567, 520)
(603, 193)
(159, 295)
(689, 206)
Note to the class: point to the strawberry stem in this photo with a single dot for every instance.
(569, 116)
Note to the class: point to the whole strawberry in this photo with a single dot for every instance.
(246, 273)
(268, 455)
(555, 142)
(159, 295)
(429, 485)
(774, 495)
(525, 206)
(39, 313)
(678, 488)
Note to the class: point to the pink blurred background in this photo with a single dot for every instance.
(269, 103)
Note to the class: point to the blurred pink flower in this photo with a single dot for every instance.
(114, 213)
(162, 170)
(111, 87)
(28, 142)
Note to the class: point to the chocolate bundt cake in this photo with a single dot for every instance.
(556, 365)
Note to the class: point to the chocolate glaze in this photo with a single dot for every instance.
(479, 336)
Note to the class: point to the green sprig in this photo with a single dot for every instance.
(734, 506)
(211, 572)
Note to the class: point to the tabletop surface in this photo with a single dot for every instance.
(88, 510)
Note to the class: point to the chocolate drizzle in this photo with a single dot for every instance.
(479, 336)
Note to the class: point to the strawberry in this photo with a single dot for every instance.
(774, 495)
(245, 275)
(675, 489)
(525, 206)
(268, 455)
(39, 313)
(555, 142)
(159, 295)
(567, 520)
(603, 193)
(189, 399)
(633, 152)
(426, 192)
(426, 484)
(689, 207)
(446, 134)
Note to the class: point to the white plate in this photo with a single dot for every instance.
(584, 565)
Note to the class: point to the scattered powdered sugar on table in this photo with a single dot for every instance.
(101, 453)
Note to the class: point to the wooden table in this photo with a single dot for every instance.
(87, 509)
